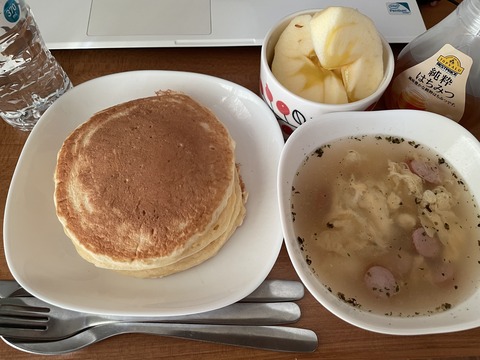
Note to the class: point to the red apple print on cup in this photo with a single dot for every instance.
(269, 93)
(283, 108)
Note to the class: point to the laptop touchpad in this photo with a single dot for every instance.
(149, 17)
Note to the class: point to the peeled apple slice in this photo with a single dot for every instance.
(345, 39)
(296, 67)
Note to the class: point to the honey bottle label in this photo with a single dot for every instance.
(437, 84)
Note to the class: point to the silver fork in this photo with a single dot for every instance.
(30, 318)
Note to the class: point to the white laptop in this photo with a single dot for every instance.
(71, 24)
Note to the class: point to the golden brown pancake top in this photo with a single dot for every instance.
(140, 179)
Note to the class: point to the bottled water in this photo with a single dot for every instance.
(30, 77)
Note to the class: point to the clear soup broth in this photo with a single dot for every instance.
(387, 225)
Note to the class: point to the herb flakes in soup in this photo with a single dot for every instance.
(387, 225)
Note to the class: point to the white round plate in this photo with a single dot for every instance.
(43, 260)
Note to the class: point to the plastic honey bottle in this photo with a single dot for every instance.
(439, 71)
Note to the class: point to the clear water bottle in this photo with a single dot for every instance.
(30, 77)
(439, 71)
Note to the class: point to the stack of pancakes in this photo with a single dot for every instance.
(149, 187)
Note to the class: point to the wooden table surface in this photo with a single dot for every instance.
(337, 339)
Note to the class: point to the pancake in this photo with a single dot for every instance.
(149, 187)
(205, 253)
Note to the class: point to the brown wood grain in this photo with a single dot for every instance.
(337, 339)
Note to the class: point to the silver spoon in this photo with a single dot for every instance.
(277, 338)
